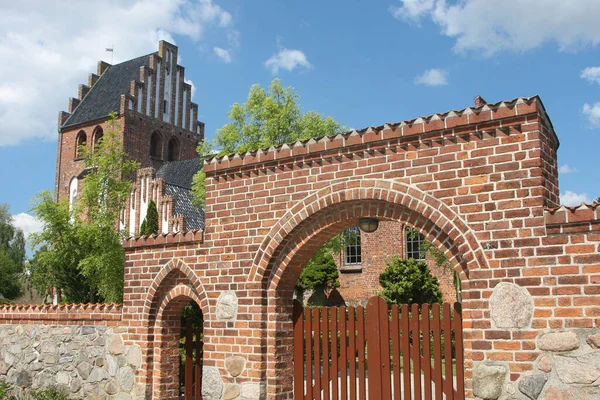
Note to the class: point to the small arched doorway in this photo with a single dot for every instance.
(178, 352)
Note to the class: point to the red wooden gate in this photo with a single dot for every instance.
(379, 352)
(194, 355)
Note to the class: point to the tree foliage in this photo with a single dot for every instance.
(408, 281)
(267, 118)
(82, 256)
(150, 223)
(12, 255)
(321, 272)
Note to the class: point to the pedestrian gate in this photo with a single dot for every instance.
(378, 352)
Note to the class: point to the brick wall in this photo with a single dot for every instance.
(475, 182)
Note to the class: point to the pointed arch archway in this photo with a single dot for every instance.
(172, 289)
(310, 223)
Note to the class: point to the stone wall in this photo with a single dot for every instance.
(88, 361)
(568, 367)
(80, 348)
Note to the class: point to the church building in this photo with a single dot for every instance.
(160, 129)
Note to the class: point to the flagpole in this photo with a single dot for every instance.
(112, 53)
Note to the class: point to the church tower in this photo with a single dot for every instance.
(158, 121)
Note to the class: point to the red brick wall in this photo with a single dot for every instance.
(472, 181)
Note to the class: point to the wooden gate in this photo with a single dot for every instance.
(194, 354)
(379, 352)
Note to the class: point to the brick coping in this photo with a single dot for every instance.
(57, 312)
(582, 213)
(517, 107)
(164, 239)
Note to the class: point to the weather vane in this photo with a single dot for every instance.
(112, 52)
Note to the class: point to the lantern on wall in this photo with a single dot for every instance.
(368, 225)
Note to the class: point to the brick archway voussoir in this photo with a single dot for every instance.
(399, 193)
(195, 282)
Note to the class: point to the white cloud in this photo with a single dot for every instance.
(412, 10)
(592, 74)
(288, 60)
(27, 223)
(432, 77)
(565, 169)
(486, 27)
(50, 56)
(223, 54)
(574, 199)
(592, 112)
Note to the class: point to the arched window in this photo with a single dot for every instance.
(73, 186)
(173, 154)
(156, 145)
(80, 141)
(98, 133)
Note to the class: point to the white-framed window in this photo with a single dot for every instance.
(413, 244)
(352, 248)
(73, 187)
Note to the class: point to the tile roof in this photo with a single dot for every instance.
(105, 96)
(180, 173)
(194, 217)
(178, 176)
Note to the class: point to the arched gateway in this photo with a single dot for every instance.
(308, 225)
(481, 183)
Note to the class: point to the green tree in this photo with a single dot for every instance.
(82, 255)
(408, 281)
(597, 201)
(320, 272)
(150, 223)
(12, 255)
(267, 118)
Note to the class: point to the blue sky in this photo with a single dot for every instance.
(362, 62)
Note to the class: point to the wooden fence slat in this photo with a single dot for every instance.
(373, 345)
(298, 352)
(352, 350)
(395, 335)
(404, 322)
(317, 351)
(325, 338)
(333, 374)
(361, 347)
(198, 364)
(308, 334)
(447, 326)
(189, 362)
(415, 350)
(384, 349)
(458, 338)
(426, 360)
(343, 355)
(437, 351)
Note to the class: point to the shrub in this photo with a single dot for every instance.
(320, 272)
(408, 281)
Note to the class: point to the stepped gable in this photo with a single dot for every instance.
(104, 96)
